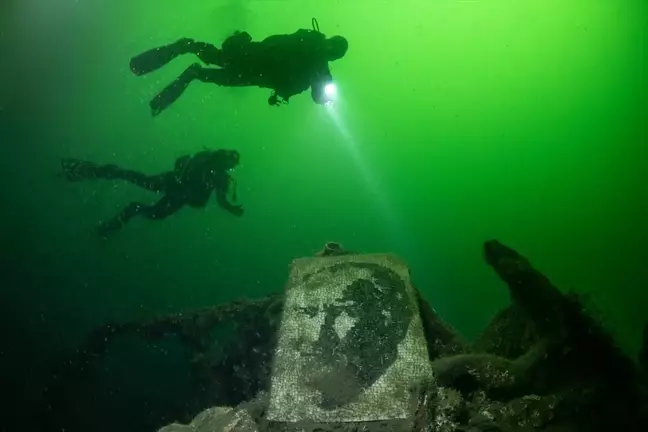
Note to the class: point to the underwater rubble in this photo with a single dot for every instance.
(542, 364)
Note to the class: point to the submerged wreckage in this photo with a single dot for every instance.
(352, 346)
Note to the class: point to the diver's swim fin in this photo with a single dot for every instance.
(155, 58)
(77, 170)
(173, 91)
(105, 228)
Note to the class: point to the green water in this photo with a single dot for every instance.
(459, 121)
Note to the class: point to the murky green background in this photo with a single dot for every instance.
(460, 121)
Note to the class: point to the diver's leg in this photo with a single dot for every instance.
(77, 170)
(155, 58)
(221, 77)
(160, 210)
(173, 91)
(153, 183)
(207, 53)
(114, 224)
(212, 55)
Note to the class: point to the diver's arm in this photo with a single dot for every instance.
(221, 198)
(282, 96)
(320, 79)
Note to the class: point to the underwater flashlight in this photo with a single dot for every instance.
(330, 91)
(330, 94)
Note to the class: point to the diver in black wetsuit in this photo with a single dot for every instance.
(288, 64)
(190, 183)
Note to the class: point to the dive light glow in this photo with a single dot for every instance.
(330, 90)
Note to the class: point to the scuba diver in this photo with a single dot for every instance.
(189, 183)
(287, 64)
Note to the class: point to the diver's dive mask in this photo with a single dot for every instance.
(233, 158)
(227, 159)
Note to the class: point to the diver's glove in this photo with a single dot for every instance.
(236, 210)
(276, 100)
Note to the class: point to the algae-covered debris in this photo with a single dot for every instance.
(542, 364)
